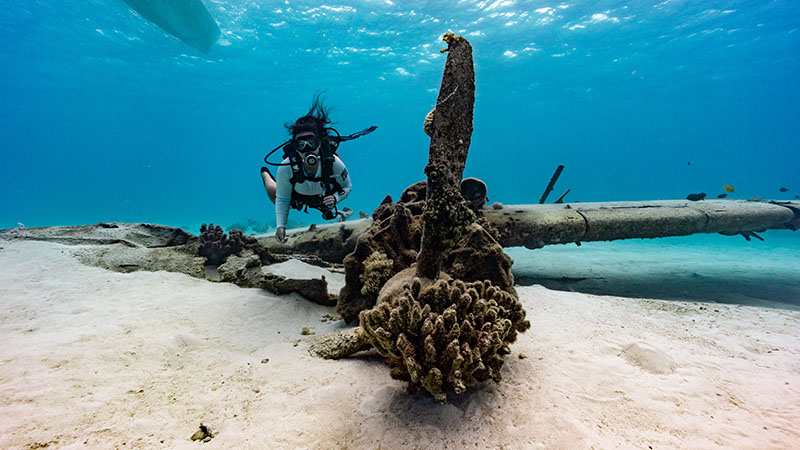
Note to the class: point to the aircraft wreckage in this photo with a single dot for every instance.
(426, 276)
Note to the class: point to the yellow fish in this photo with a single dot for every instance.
(728, 188)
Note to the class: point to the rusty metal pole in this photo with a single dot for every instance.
(446, 213)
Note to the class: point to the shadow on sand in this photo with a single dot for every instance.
(687, 269)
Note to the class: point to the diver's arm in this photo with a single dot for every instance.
(343, 178)
(283, 195)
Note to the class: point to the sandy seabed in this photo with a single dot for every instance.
(96, 359)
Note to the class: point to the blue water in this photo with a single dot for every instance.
(105, 117)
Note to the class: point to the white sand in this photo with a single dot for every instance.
(97, 359)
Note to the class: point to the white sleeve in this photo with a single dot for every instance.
(283, 195)
(343, 178)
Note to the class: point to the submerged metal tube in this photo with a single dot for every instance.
(534, 226)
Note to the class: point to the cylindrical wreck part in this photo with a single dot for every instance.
(534, 226)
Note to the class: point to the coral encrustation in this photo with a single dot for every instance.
(446, 336)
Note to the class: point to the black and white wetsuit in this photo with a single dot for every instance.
(283, 194)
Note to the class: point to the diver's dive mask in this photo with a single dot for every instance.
(307, 148)
(306, 143)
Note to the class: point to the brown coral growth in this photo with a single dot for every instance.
(377, 270)
(216, 246)
(447, 336)
(396, 234)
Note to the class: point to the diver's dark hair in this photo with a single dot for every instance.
(315, 119)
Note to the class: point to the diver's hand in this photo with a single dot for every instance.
(329, 201)
(280, 235)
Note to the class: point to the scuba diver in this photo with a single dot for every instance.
(311, 174)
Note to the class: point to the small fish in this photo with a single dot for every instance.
(728, 188)
(783, 189)
(797, 196)
(723, 195)
(696, 197)
(688, 163)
